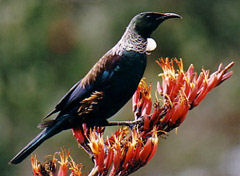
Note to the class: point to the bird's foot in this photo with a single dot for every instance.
(130, 124)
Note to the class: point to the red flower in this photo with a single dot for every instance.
(49, 167)
(142, 102)
(64, 155)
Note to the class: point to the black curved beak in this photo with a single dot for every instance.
(164, 16)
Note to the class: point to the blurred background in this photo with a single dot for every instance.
(47, 46)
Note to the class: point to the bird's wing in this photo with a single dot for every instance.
(73, 93)
(100, 72)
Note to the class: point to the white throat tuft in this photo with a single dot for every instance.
(151, 45)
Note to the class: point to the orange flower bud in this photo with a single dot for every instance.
(35, 166)
(76, 169)
(109, 159)
(79, 135)
(155, 145)
(147, 121)
(64, 154)
(146, 151)
(117, 160)
(179, 113)
(201, 94)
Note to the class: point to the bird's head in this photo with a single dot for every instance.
(146, 22)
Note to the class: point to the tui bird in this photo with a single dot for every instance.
(106, 87)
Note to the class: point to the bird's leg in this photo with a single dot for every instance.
(124, 123)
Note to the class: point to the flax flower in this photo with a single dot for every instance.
(129, 149)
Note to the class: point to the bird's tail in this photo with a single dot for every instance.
(39, 139)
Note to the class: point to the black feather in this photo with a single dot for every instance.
(39, 139)
(46, 123)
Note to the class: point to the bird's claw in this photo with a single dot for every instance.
(137, 122)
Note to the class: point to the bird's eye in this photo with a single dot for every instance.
(148, 16)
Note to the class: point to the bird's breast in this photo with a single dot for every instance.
(125, 78)
(117, 87)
